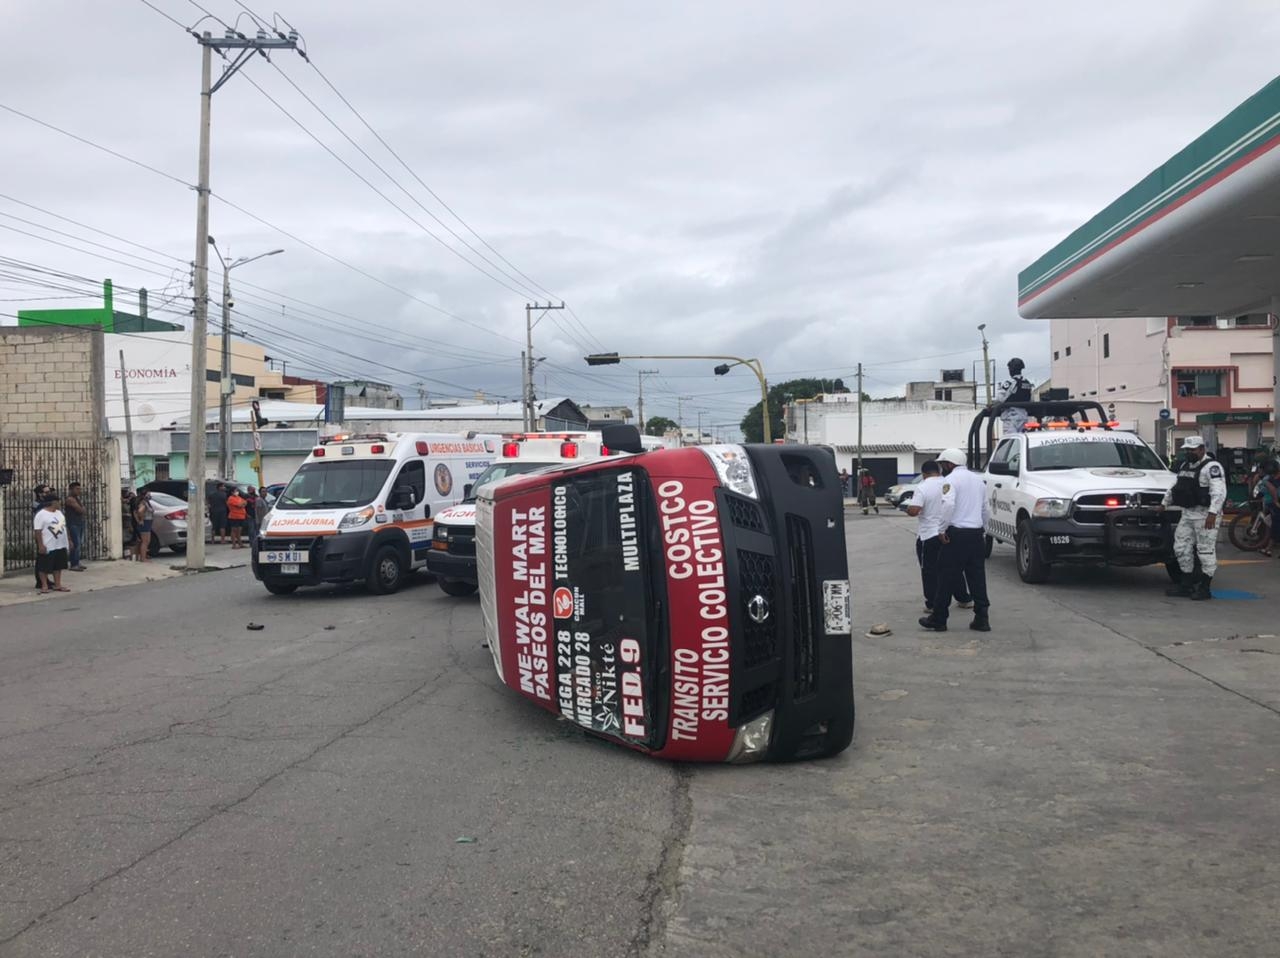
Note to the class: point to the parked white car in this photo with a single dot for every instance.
(897, 495)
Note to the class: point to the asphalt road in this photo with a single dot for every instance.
(1098, 775)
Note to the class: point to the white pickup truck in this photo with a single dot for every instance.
(1070, 489)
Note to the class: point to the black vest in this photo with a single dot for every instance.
(1187, 491)
(1021, 390)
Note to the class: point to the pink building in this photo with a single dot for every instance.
(1188, 365)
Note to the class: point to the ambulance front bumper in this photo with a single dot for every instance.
(335, 558)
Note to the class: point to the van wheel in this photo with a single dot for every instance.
(457, 587)
(386, 571)
(276, 587)
(988, 544)
(1031, 565)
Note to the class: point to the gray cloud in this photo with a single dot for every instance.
(816, 184)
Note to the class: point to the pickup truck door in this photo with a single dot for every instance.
(1001, 488)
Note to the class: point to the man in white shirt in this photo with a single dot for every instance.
(926, 508)
(962, 558)
(50, 528)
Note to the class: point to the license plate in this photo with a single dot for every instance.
(274, 558)
(1059, 540)
(289, 568)
(835, 606)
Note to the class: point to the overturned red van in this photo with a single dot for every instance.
(689, 603)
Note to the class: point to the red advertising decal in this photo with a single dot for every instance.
(693, 550)
(520, 538)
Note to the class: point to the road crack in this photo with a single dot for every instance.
(657, 901)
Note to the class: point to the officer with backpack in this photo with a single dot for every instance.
(1200, 492)
(1017, 388)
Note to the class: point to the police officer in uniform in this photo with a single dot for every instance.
(1200, 492)
(963, 522)
(1016, 388)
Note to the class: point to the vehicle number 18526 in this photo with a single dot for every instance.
(1060, 540)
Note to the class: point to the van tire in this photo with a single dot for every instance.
(1031, 565)
(276, 587)
(386, 570)
(458, 587)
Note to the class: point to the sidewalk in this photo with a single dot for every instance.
(18, 586)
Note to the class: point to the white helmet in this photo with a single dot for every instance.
(953, 456)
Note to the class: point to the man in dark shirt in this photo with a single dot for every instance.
(218, 511)
(77, 518)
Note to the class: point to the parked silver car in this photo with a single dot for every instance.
(169, 528)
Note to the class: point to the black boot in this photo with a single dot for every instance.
(1201, 591)
(980, 623)
(929, 622)
(1184, 588)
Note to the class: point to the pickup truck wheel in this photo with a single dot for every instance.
(1031, 565)
(457, 587)
(386, 571)
(275, 587)
(987, 545)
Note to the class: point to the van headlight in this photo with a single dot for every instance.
(442, 532)
(354, 520)
(752, 740)
(733, 468)
(1052, 508)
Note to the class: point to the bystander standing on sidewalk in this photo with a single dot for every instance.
(235, 515)
(38, 495)
(867, 492)
(77, 519)
(50, 528)
(144, 514)
(217, 505)
(251, 514)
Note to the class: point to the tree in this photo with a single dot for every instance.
(658, 426)
(753, 431)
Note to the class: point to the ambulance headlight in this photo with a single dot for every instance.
(266, 521)
(733, 468)
(442, 532)
(354, 520)
(752, 740)
(1052, 508)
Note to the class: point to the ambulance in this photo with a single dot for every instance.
(452, 558)
(363, 506)
(692, 604)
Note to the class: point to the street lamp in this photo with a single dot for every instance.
(227, 385)
(611, 359)
(986, 363)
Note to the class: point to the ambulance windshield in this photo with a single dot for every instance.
(335, 485)
(609, 604)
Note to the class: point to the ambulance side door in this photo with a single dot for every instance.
(413, 476)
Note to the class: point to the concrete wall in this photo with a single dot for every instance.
(51, 382)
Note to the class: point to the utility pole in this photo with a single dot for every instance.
(245, 47)
(859, 472)
(699, 427)
(986, 362)
(680, 401)
(530, 413)
(640, 374)
(128, 422)
(226, 380)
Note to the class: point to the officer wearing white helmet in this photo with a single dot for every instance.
(1017, 388)
(1200, 492)
(963, 520)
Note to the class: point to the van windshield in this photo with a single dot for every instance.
(335, 485)
(609, 599)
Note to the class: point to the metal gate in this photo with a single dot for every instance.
(57, 462)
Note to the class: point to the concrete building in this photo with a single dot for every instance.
(599, 416)
(951, 386)
(1211, 373)
(897, 434)
(371, 395)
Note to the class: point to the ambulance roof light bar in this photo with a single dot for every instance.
(344, 437)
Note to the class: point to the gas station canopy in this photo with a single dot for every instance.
(1200, 235)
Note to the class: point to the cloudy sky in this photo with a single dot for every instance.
(816, 184)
